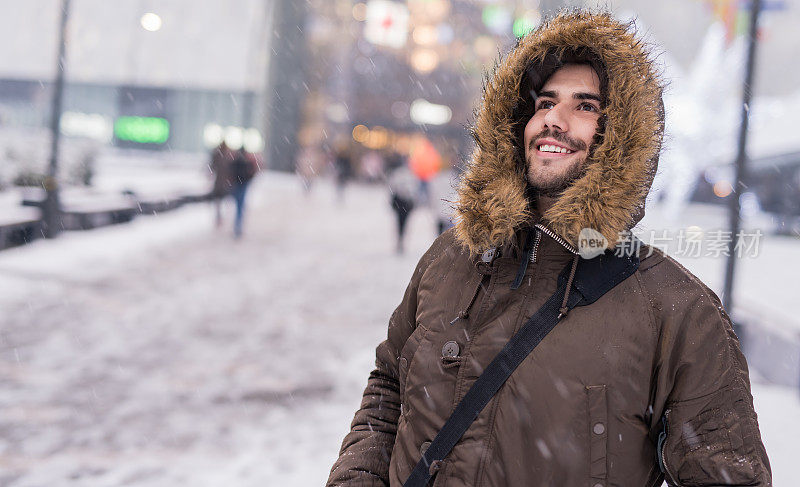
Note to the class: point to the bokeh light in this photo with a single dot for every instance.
(151, 22)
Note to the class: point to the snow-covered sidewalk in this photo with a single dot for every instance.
(163, 352)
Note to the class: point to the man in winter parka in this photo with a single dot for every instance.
(645, 384)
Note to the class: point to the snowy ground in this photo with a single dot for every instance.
(163, 352)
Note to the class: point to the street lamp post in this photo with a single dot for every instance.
(741, 159)
(286, 85)
(51, 210)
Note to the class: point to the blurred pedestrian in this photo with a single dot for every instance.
(403, 189)
(372, 166)
(221, 158)
(242, 170)
(305, 166)
(443, 196)
(343, 165)
(424, 161)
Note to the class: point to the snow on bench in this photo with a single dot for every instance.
(19, 225)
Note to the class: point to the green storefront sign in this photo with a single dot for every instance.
(142, 130)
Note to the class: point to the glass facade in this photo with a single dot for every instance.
(91, 110)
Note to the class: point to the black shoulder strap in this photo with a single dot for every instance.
(593, 278)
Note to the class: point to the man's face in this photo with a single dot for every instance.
(559, 134)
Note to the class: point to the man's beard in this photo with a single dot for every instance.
(555, 185)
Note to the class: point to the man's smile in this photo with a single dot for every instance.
(548, 147)
(552, 148)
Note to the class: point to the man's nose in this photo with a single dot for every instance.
(555, 118)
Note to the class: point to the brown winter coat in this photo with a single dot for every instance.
(220, 166)
(586, 407)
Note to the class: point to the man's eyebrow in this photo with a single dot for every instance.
(576, 96)
(587, 96)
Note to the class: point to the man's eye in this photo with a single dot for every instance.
(544, 104)
(588, 107)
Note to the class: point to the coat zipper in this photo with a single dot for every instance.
(556, 237)
(662, 439)
(536, 246)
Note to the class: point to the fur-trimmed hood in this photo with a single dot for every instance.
(609, 197)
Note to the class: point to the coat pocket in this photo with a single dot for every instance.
(598, 434)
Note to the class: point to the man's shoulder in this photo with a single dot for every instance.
(448, 246)
(446, 249)
(667, 280)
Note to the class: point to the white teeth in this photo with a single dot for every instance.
(554, 148)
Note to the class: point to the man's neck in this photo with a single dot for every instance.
(543, 203)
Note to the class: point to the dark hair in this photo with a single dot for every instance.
(537, 74)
